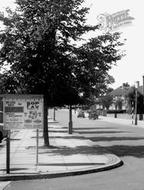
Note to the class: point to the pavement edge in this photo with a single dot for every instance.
(113, 163)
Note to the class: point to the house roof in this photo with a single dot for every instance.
(122, 91)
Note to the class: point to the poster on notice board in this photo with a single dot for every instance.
(23, 111)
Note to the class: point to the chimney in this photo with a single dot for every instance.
(137, 84)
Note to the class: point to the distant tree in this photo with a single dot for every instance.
(109, 90)
(106, 101)
(95, 59)
(118, 104)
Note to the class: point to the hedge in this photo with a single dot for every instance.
(116, 111)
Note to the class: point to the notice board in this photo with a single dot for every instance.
(23, 111)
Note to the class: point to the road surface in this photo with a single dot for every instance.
(124, 141)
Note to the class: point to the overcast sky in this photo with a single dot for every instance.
(131, 68)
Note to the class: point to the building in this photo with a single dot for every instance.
(119, 97)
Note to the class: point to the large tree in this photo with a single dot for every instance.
(37, 45)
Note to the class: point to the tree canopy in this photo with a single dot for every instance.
(37, 44)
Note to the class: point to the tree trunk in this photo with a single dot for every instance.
(46, 136)
(54, 114)
(70, 120)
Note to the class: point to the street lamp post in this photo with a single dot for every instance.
(135, 106)
(136, 101)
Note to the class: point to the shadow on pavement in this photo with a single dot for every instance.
(124, 150)
(65, 151)
(68, 137)
(91, 128)
(115, 138)
(69, 164)
(15, 169)
(99, 132)
(60, 131)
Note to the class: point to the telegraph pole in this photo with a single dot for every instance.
(136, 98)
(135, 106)
(143, 95)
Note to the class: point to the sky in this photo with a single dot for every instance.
(131, 67)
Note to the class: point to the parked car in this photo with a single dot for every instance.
(3, 133)
(81, 114)
(93, 114)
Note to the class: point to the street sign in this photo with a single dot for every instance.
(23, 111)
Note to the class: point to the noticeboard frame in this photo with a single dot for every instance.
(23, 97)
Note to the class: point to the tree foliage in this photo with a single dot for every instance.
(106, 101)
(118, 104)
(96, 58)
(37, 44)
(131, 97)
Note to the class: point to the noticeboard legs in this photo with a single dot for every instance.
(8, 153)
(37, 144)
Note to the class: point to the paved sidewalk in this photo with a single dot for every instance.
(130, 122)
(67, 155)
